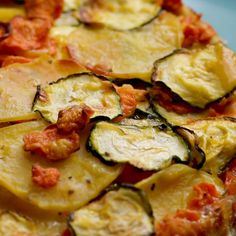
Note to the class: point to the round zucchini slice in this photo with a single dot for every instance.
(79, 89)
(170, 189)
(82, 176)
(174, 118)
(216, 137)
(198, 76)
(12, 223)
(16, 98)
(122, 211)
(125, 54)
(118, 14)
(144, 144)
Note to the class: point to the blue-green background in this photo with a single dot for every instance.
(221, 14)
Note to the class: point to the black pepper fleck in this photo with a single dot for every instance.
(153, 187)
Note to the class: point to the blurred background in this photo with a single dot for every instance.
(221, 14)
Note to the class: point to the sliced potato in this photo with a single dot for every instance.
(169, 190)
(12, 209)
(18, 84)
(200, 76)
(216, 138)
(118, 14)
(83, 177)
(78, 89)
(14, 224)
(126, 54)
(7, 13)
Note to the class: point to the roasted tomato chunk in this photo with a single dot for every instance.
(196, 31)
(45, 177)
(74, 118)
(204, 214)
(51, 143)
(170, 101)
(184, 223)
(129, 97)
(174, 6)
(205, 194)
(31, 33)
(230, 178)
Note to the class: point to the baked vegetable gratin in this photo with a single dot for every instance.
(117, 118)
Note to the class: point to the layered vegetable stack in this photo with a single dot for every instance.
(117, 118)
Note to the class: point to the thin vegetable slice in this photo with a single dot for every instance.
(198, 76)
(81, 175)
(126, 54)
(121, 15)
(14, 224)
(79, 89)
(222, 108)
(170, 189)
(216, 137)
(144, 144)
(18, 84)
(122, 211)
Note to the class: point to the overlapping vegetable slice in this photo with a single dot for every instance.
(7, 13)
(222, 108)
(18, 84)
(216, 138)
(17, 214)
(78, 89)
(145, 144)
(199, 76)
(170, 189)
(126, 54)
(122, 15)
(123, 210)
(14, 224)
(82, 175)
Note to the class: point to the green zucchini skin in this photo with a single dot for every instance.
(198, 158)
(111, 21)
(199, 76)
(137, 129)
(174, 119)
(116, 189)
(50, 115)
(216, 137)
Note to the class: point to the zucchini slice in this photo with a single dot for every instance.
(177, 119)
(170, 189)
(211, 111)
(78, 89)
(82, 176)
(18, 84)
(130, 54)
(12, 223)
(198, 76)
(216, 137)
(118, 14)
(197, 156)
(144, 144)
(122, 211)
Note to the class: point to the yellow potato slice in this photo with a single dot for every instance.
(83, 177)
(125, 54)
(7, 13)
(13, 224)
(18, 84)
(170, 189)
(118, 14)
